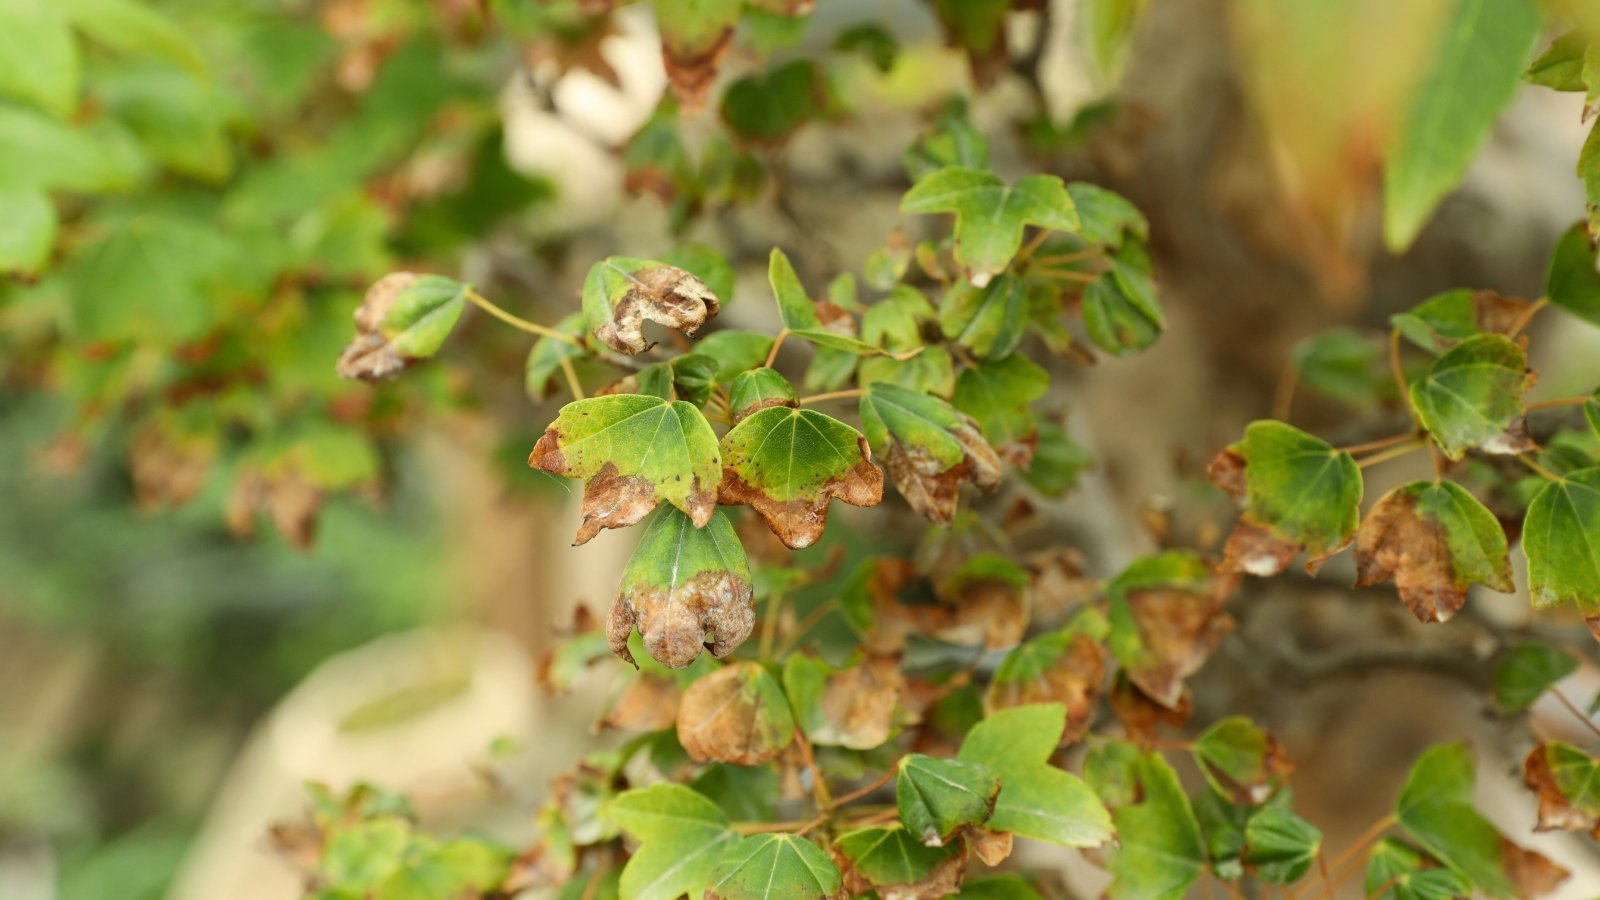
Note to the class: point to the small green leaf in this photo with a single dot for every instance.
(938, 796)
(41, 56)
(1396, 873)
(800, 315)
(1240, 760)
(543, 368)
(1036, 799)
(928, 448)
(1434, 540)
(1300, 494)
(1482, 49)
(1223, 825)
(998, 887)
(1472, 397)
(687, 588)
(1441, 321)
(997, 394)
(759, 389)
(28, 229)
(1161, 853)
(735, 351)
(620, 293)
(693, 377)
(633, 451)
(1115, 322)
(788, 463)
(1280, 844)
(774, 867)
(1560, 66)
(987, 320)
(362, 855)
(871, 41)
(136, 29)
(1573, 282)
(682, 837)
(1341, 364)
(1559, 536)
(1106, 215)
(769, 106)
(891, 861)
(990, 215)
(1057, 461)
(1526, 671)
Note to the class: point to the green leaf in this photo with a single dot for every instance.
(742, 792)
(735, 351)
(37, 151)
(1573, 282)
(799, 313)
(953, 141)
(928, 448)
(871, 41)
(28, 230)
(1222, 823)
(1396, 873)
(889, 858)
(1441, 321)
(1482, 49)
(1341, 364)
(1111, 769)
(1560, 66)
(1036, 799)
(362, 855)
(693, 377)
(788, 463)
(181, 121)
(153, 280)
(1435, 807)
(686, 587)
(997, 394)
(452, 869)
(633, 451)
(1280, 844)
(1472, 397)
(998, 887)
(621, 292)
(135, 29)
(775, 867)
(1559, 537)
(1116, 323)
(682, 838)
(1107, 27)
(987, 320)
(1433, 539)
(990, 215)
(1107, 216)
(769, 106)
(1589, 172)
(1240, 760)
(938, 796)
(41, 57)
(1300, 494)
(1526, 671)
(1161, 853)
(759, 389)
(1057, 462)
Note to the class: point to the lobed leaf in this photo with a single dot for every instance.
(1559, 537)
(620, 293)
(774, 867)
(1161, 853)
(990, 215)
(1433, 539)
(1299, 492)
(928, 447)
(1241, 761)
(1472, 397)
(1036, 799)
(938, 797)
(682, 838)
(892, 863)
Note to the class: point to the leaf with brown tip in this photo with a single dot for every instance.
(1433, 540)
(928, 447)
(620, 293)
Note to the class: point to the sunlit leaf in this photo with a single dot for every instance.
(1160, 853)
(682, 837)
(1036, 799)
(990, 215)
(774, 867)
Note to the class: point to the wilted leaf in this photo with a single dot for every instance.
(1573, 282)
(1065, 667)
(1472, 397)
(987, 320)
(892, 863)
(788, 463)
(938, 797)
(647, 703)
(1397, 872)
(928, 447)
(1167, 615)
(1280, 845)
(1435, 807)
(1475, 68)
(633, 451)
(990, 215)
(695, 36)
(775, 867)
(759, 389)
(1567, 781)
(404, 318)
(620, 293)
(685, 588)
(850, 707)
(1142, 717)
(1241, 761)
(1299, 492)
(1036, 799)
(1526, 671)
(682, 837)
(1161, 853)
(1434, 540)
(997, 395)
(1562, 526)
(737, 714)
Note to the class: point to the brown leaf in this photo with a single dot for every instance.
(934, 490)
(725, 717)
(799, 521)
(580, 48)
(1395, 542)
(168, 469)
(990, 612)
(1226, 471)
(288, 500)
(674, 627)
(990, 846)
(1498, 313)
(666, 295)
(1142, 717)
(648, 703)
(943, 881)
(370, 356)
(1180, 630)
(1556, 812)
(1059, 583)
(1258, 550)
(858, 704)
(1075, 681)
(1531, 873)
(693, 69)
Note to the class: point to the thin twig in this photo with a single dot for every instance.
(777, 342)
(1523, 458)
(1033, 244)
(572, 378)
(1400, 374)
(1573, 708)
(1076, 256)
(832, 395)
(519, 322)
(1527, 316)
(1561, 401)
(1283, 397)
(1387, 455)
(804, 625)
(860, 792)
(819, 784)
(1379, 444)
(1066, 275)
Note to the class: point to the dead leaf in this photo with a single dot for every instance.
(693, 68)
(736, 714)
(1257, 550)
(943, 881)
(1075, 680)
(1059, 583)
(1556, 812)
(648, 703)
(929, 486)
(1398, 540)
(1179, 630)
(858, 704)
(1142, 717)
(666, 295)
(674, 624)
(168, 469)
(799, 521)
(288, 500)
(1530, 872)
(990, 846)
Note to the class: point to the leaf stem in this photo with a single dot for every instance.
(1523, 458)
(833, 395)
(1579, 400)
(1076, 256)
(796, 826)
(769, 625)
(1400, 374)
(1392, 453)
(819, 784)
(860, 792)
(1067, 275)
(1353, 851)
(1527, 316)
(1576, 712)
(1379, 444)
(1283, 397)
(572, 378)
(816, 615)
(1033, 244)
(777, 343)
(518, 322)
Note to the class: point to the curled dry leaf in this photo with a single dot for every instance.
(169, 467)
(788, 463)
(648, 703)
(1433, 540)
(1531, 873)
(1168, 615)
(290, 501)
(620, 293)
(891, 862)
(928, 447)
(1565, 778)
(404, 318)
(684, 588)
(1059, 583)
(984, 604)
(737, 714)
(990, 846)
(1142, 717)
